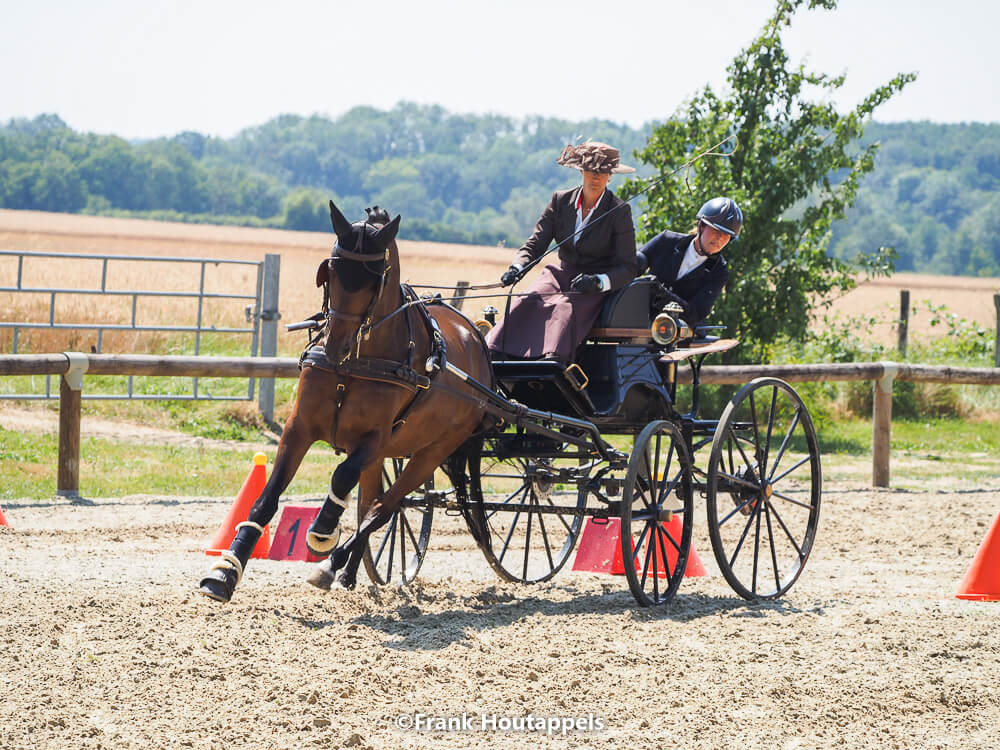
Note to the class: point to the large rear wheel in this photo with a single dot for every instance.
(522, 511)
(764, 484)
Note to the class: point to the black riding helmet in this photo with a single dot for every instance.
(722, 214)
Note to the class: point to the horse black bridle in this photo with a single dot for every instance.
(366, 319)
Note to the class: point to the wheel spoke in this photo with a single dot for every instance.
(385, 540)
(527, 543)
(510, 533)
(402, 544)
(645, 564)
(656, 573)
(545, 540)
(756, 549)
(740, 481)
(409, 531)
(392, 546)
(562, 519)
(743, 537)
(774, 555)
(792, 500)
(789, 471)
(753, 420)
(770, 427)
(781, 523)
(784, 443)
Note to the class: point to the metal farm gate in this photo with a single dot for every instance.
(261, 311)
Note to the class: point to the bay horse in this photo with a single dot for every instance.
(376, 388)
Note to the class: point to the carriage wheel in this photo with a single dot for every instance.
(764, 486)
(395, 552)
(520, 529)
(657, 510)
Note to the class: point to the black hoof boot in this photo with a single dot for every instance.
(324, 532)
(221, 580)
(218, 584)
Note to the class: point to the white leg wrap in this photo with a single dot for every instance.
(323, 543)
(230, 561)
(251, 524)
(336, 500)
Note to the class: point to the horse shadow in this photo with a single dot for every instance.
(408, 627)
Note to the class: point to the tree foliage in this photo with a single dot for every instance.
(794, 168)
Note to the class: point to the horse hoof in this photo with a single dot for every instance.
(218, 585)
(345, 583)
(322, 576)
(322, 545)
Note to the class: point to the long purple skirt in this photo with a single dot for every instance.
(550, 320)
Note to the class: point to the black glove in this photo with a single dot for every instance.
(643, 263)
(585, 282)
(661, 296)
(510, 276)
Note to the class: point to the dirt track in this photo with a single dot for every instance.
(105, 645)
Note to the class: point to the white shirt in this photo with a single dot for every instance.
(581, 222)
(691, 261)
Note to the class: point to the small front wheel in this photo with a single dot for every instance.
(656, 516)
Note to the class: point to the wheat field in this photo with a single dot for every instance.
(301, 252)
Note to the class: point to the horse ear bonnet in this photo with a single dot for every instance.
(387, 234)
(340, 225)
(323, 272)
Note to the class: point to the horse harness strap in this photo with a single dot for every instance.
(382, 370)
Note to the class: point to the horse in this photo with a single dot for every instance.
(360, 392)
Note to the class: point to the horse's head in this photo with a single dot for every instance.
(362, 266)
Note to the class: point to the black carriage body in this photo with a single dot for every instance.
(619, 381)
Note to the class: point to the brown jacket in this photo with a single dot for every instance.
(606, 244)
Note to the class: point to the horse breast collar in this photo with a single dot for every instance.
(383, 370)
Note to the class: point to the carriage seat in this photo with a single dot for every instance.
(625, 315)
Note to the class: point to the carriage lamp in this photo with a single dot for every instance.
(667, 327)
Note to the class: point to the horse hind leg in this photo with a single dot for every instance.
(324, 573)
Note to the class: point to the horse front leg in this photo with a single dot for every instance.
(324, 532)
(221, 580)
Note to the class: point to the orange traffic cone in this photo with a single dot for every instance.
(982, 579)
(600, 550)
(248, 494)
(3, 519)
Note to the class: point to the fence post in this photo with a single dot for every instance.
(882, 424)
(461, 288)
(996, 344)
(269, 317)
(70, 391)
(904, 320)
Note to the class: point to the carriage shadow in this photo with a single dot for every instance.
(408, 628)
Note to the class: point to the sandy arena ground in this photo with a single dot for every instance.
(106, 644)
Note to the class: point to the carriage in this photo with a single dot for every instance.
(404, 386)
(557, 453)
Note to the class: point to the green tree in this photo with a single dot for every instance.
(794, 172)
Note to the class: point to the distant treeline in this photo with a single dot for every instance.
(471, 178)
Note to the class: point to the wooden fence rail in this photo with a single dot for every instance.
(73, 365)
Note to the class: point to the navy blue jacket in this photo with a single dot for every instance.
(700, 288)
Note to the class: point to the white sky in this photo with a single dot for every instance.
(141, 69)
